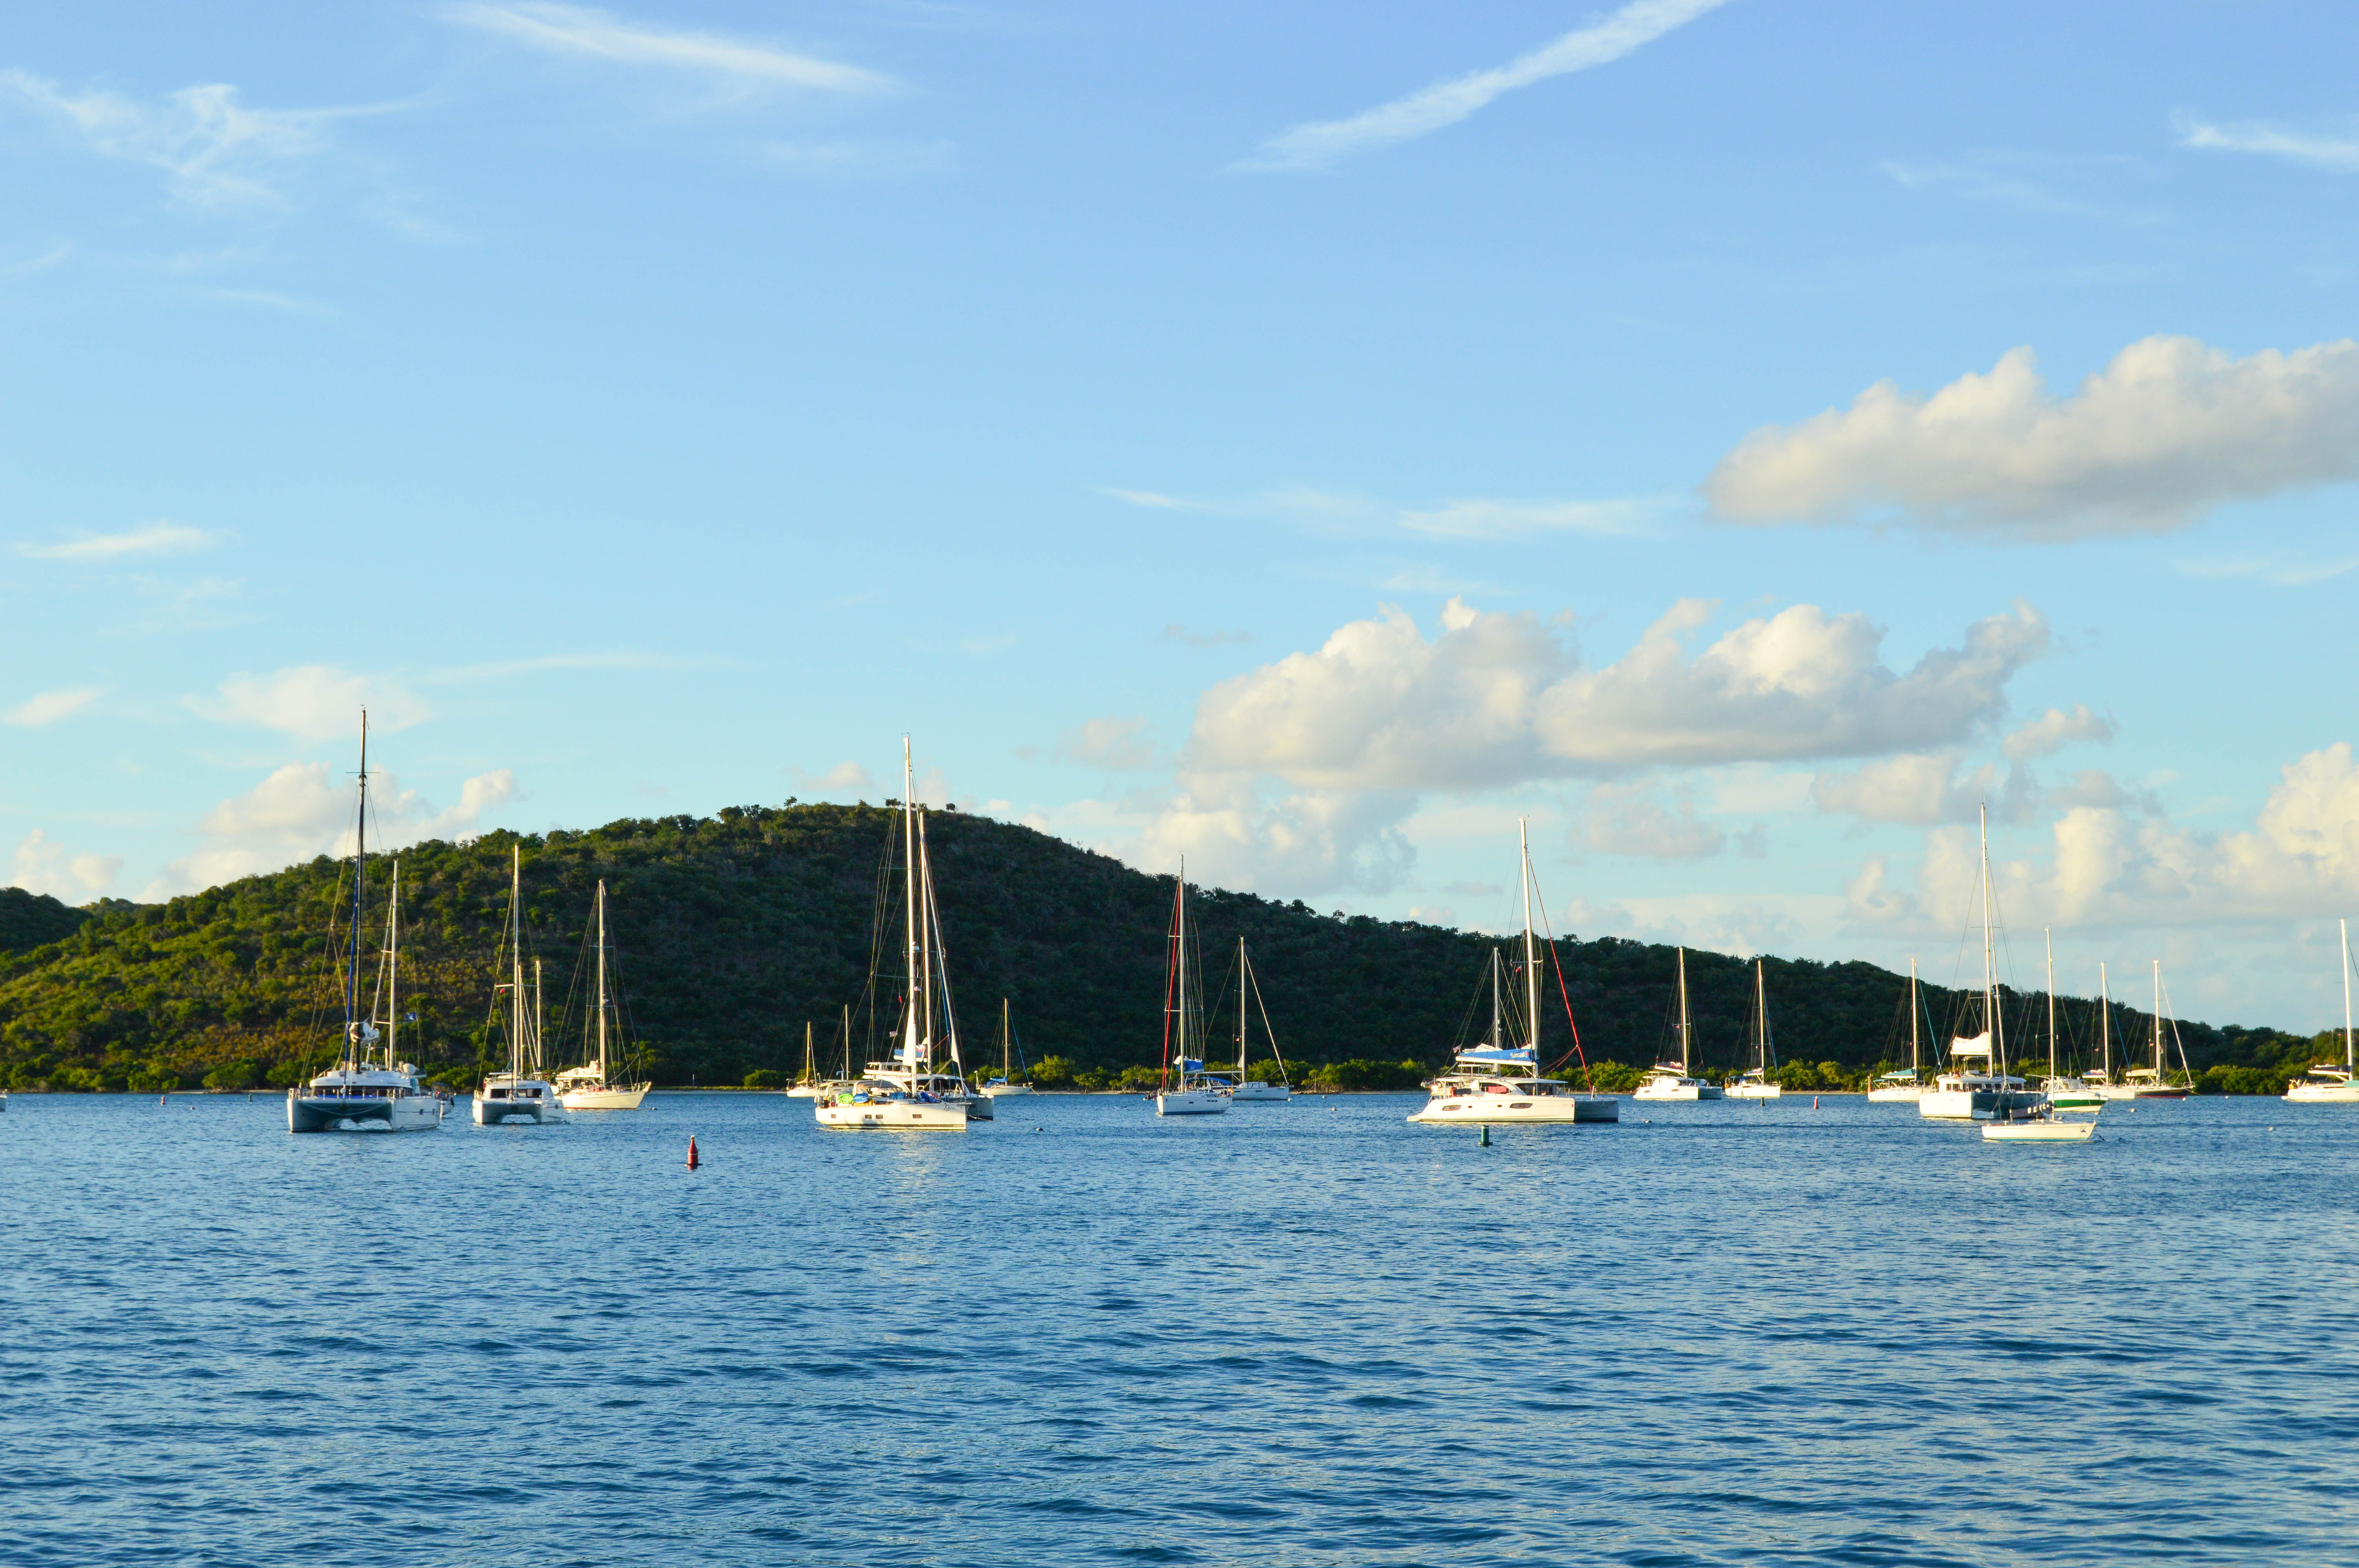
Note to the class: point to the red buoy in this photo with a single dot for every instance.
(692, 1161)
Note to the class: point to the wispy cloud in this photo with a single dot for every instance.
(158, 539)
(465, 675)
(2028, 182)
(851, 159)
(1175, 632)
(1323, 142)
(581, 31)
(310, 702)
(2275, 569)
(1482, 519)
(269, 300)
(2338, 153)
(48, 707)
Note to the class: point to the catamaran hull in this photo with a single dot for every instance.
(893, 1115)
(1756, 1091)
(1262, 1094)
(1688, 1092)
(1511, 1109)
(601, 1100)
(493, 1112)
(410, 1113)
(1894, 1096)
(1973, 1105)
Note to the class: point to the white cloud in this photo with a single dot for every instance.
(580, 31)
(1918, 787)
(213, 150)
(843, 778)
(42, 865)
(1497, 699)
(2028, 182)
(311, 702)
(1321, 142)
(1108, 743)
(2340, 154)
(461, 674)
(1628, 819)
(305, 809)
(158, 539)
(48, 707)
(2167, 432)
(1478, 519)
(1305, 842)
(2055, 729)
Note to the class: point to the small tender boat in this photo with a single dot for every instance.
(1186, 1089)
(1676, 1080)
(2039, 1126)
(520, 1094)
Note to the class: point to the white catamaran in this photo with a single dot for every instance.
(1910, 1085)
(596, 1084)
(1186, 1088)
(1968, 1091)
(1499, 1082)
(359, 1092)
(2332, 1086)
(1676, 1080)
(520, 1094)
(1754, 1082)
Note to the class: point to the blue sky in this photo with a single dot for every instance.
(1740, 437)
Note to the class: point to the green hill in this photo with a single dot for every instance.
(732, 932)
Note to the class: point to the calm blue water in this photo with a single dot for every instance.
(1306, 1335)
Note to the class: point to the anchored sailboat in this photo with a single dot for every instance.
(2332, 1086)
(596, 1085)
(1676, 1080)
(1499, 1082)
(2152, 1082)
(1966, 1092)
(358, 1091)
(520, 1094)
(1007, 1083)
(1248, 1091)
(1754, 1082)
(1910, 1085)
(1186, 1088)
(2064, 1091)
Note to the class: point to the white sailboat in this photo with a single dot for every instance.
(2332, 1086)
(359, 1092)
(1246, 1090)
(2064, 1091)
(1186, 1088)
(1965, 1092)
(808, 1086)
(520, 1094)
(596, 1084)
(1499, 1082)
(2152, 1082)
(1753, 1083)
(2101, 1083)
(1007, 1083)
(1676, 1080)
(2040, 1124)
(1896, 1086)
(904, 1094)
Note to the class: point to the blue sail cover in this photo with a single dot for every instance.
(1521, 1054)
(1190, 1064)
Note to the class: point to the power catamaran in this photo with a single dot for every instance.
(1499, 1082)
(596, 1084)
(1755, 1084)
(904, 1094)
(1967, 1092)
(1676, 1080)
(1896, 1086)
(520, 1094)
(2332, 1086)
(1248, 1091)
(1007, 1083)
(2149, 1083)
(1186, 1089)
(359, 1092)
(2064, 1091)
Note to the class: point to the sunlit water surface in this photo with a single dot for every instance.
(1297, 1335)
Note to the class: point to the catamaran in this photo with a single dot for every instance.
(1908, 1086)
(2332, 1086)
(1966, 1092)
(1245, 1089)
(1007, 1083)
(2064, 1091)
(520, 1094)
(1497, 1081)
(1753, 1083)
(596, 1084)
(905, 1092)
(1676, 1080)
(1185, 1089)
(359, 1092)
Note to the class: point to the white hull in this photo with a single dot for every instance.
(1754, 1091)
(803, 1091)
(1264, 1094)
(1687, 1091)
(1001, 1091)
(330, 1113)
(894, 1116)
(2323, 1094)
(1191, 1102)
(491, 1112)
(2038, 1131)
(1530, 1109)
(604, 1100)
(1896, 1095)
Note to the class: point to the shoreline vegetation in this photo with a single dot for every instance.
(734, 930)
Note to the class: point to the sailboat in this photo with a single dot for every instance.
(520, 1094)
(808, 1086)
(358, 1091)
(594, 1086)
(1967, 1092)
(1497, 1081)
(1755, 1084)
(2150, 1083)
(904, 1093)
(1007, 1083)
(1186, 1089)
(2101, 1083)
(1247, 1091)
(2064, 1092)
(1896, 1085)
(2332, 1086)
(1676, 1080)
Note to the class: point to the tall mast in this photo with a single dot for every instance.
(1007, 1045)
(1761, 1018)
(847, 1039)
(2346, 994)
(1913, 1068)
(1531, 951)
(926, 936)
(2104, 1024)
(910, 898)
(1242, 973)
(602, 982)
(809, 1073)
(1497, 1039)
(2157, 1021)
(516, 961)
(1989, 970)
(2048, 937)
(1683, 1012)
(360, 878)
(393, 968)
(1182, 928)
(537, 1018)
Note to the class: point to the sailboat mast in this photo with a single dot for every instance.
(1182, 928)
(1683, 1012)
(1913, 1068)
(2104, 1025)
(360, 879)
(393, 970)
(1531, 950)
(2048, 937)
(1990, 970)
(926, 935)
(1760, 1018)
(1007, 1045)
(602, 981)
(2345, 927)
(910, 896)
(2157, 1021)
(537, 1018)
(1242, 973)
(847, 1040)
(1498, 1040)
(516, 961)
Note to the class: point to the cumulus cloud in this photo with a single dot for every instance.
(2166, 433)
(1628, 819)
(2055, 729)
(1916, 788)
(582, 32)
(1305, 841)
(43, 865)
(844, 777)
(158, 539)
(1320, 143)
(48, 707)
(1108, 743)
(1499, 699)
(304, 809)
(311, 702)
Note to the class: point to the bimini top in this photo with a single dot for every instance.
(1980, 1045)
(1519, 1054)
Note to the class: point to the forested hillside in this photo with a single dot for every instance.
(733, 933)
